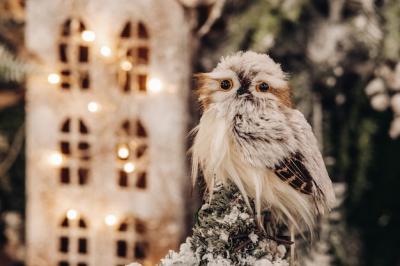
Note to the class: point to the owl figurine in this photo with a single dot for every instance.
(251, 135)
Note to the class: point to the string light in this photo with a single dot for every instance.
(56, 159)
(154, 85)
(105, 51)
(123, 151)
(126, 65)
(93, 107)
(72, 214)
(129, 167)
(110, 220)
(53, 78)
(88, 36)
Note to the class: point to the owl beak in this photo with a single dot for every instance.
(242, 90)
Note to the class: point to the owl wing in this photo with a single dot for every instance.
(304, 169)
(292, 171)
(283, 142)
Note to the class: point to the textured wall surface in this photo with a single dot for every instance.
(164, 115)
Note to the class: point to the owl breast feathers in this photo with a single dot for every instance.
(250, 134)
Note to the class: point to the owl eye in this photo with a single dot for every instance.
(262, 87)
(226, 84)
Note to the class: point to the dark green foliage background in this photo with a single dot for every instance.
(12, 184)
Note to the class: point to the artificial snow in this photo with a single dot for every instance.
(224, 236)
(253, 237)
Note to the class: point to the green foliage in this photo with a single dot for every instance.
(376, 213)
(391, 43)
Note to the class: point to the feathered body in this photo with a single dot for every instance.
(250, 134)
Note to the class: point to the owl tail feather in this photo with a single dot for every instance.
(287, 205)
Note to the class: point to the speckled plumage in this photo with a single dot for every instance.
(258, 141)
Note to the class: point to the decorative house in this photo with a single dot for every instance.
(106, 129)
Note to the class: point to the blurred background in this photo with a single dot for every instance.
(343, 57)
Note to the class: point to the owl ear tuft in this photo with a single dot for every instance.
(201, 76)
(284, 95)
(202, 89)
(201, 80)
(288, 97)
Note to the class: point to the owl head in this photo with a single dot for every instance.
(244, 76)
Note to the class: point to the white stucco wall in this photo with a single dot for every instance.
(164, 115)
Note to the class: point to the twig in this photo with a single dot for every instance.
(280, 240)
(214, 15)
(9, 98)
(248, 241)
(13, 152)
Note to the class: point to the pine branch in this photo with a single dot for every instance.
(226, 233)
(12, 69)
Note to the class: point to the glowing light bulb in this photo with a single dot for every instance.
(123, 151)
(126, 65)
(110, 220)
(88, 36)
(53, 78)
(129, 167)
(154, 85)
(56, 159)
(93, 107)
(105, 51)
(72, 214)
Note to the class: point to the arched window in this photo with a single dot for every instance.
(131, 155)
(131, 244)
(134, 54)
(75, 148)
(73, 242)
(74, 56)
